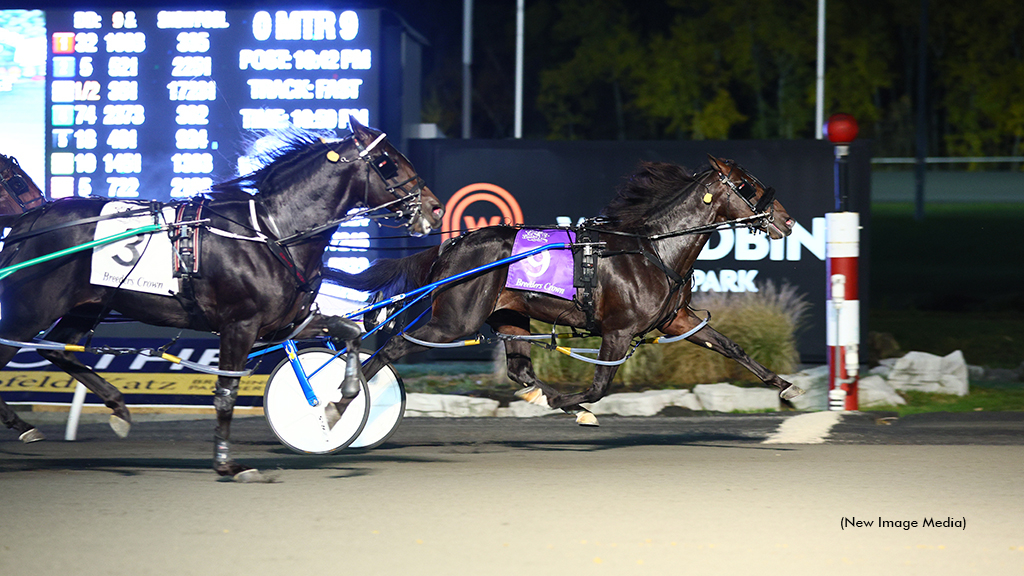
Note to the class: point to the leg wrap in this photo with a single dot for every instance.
(352, 383)
(224, 399)
(221, 450)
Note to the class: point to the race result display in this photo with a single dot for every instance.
(161, 104)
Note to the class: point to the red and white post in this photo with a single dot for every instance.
(842, 253)
(842, 320)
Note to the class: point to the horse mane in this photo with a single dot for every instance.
(290, 149)
(648, 192)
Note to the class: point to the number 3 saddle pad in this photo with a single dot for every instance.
(139, 263)
(549, 271)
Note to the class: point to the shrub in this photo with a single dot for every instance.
(763, 323)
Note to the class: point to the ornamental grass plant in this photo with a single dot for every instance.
(764, 323)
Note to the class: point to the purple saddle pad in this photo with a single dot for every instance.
(549, 271)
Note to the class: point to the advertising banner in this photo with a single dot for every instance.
(141, 378)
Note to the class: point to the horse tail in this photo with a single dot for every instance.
(390, 276)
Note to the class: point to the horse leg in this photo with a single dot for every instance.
(338, 328)
(397, 347)
(27, 433)
(614, 346)
(519, 365)
(70, 330)
(712, 339)
(235, 343)
(517, 352)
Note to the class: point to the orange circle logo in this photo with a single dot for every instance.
(455, 222)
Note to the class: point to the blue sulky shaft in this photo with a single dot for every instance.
(416, 296)
(422, 291)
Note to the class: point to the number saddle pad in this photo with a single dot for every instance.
(550, 271)
(138, 263)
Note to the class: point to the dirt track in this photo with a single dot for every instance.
(440, 500)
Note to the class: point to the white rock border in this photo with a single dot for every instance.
(914, 371)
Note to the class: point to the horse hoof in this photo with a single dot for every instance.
(249, 476)
(587, 419)
(332, 415)
(31, 436)
(120, 426)
(790, 392)
(533, 395)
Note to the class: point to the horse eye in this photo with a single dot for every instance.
(386, 166)
(18, 184)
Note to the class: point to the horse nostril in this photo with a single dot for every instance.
(789, 222)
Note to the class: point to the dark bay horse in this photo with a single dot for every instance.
(261, 258)
(651, 235)
(18, 192)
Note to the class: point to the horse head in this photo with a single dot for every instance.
(745, 196)
(18, 193)
(394, 178)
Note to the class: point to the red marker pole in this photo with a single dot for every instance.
(842, 252)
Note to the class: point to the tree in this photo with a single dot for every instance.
(605, 50)
(980, 67)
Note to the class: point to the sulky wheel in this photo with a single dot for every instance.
(302, 427)
(387, 406)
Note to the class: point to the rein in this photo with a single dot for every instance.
(79, 222)
(705, 228)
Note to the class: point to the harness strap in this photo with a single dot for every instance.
(585, 276)
(284, 256)
(186, 245)
(279, 248)
(62, 225)
(186, 240)
(676, 281)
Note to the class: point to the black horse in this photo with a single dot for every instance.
(650, 237)
(261, 259)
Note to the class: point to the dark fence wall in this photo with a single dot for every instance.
(561, 182)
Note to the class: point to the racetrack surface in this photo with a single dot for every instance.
(696, 494)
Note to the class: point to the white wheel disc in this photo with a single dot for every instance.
(387, 406)
(302, 427)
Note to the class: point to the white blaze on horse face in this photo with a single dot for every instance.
(420, 226)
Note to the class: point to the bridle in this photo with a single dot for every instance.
(746, 190)
(408, 203)
(406, 208)
(13, 181)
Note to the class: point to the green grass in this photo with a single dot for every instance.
(993, 339)
(953, 281)
(960, 257)
(986, 397)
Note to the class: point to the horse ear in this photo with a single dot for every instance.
(356, 127)
(717, 163)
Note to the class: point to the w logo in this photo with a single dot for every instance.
(485, 199)
(468, 223)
